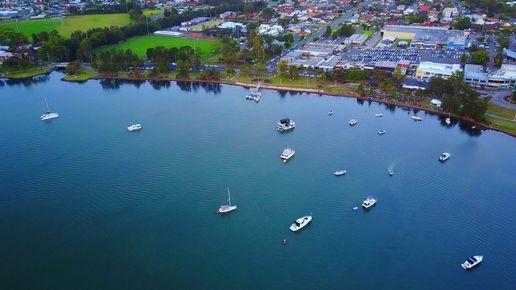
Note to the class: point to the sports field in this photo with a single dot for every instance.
(140, 44)
(68, 24)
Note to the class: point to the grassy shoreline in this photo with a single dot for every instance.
(29, 73)
(339, 90)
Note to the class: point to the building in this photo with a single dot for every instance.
(425, 37)
(475, 75)
(356, 39)
(272, 30)
(449, 13)
(427, 69)
(504, 78)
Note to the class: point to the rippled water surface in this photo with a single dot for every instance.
(84, 204)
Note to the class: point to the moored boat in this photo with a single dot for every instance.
(134, 127)
(448, 121)
(445, 156)
(391, 171)
(330, 113)
(300, 223)
(472, 262)
(369, 202)
(353, 122)
(48, 115)
(378, 115)
(227, 207)
(287, 154)
(285, 124)
(416, 118)
(381, 132)
(340, 172)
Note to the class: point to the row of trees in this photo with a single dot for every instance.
(457, 97)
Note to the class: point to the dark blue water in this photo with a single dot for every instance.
(86, 205)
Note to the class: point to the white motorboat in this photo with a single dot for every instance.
(353, 122)
(330, 113)
(378, 115)
(285, 124)
(257, 97)
(369, 202)
(381, 132)
(287, 154)
(416, 118)
(227, 207)
(340, 172)
(134, 128)
(471, 262)
(253, 95)
(300, 223)
(445, 156)
(48, 115)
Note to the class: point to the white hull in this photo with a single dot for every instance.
(227, 208)
(472, 262)
(340, 172)
(378, 115)
(417, 118)
(134, 128)
(287, 154)
(49, 116)
(369, 202)
(444, 157)
(300, 223)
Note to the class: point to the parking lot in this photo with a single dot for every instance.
(392, 54)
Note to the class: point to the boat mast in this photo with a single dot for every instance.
(229, 197)
(46, 104)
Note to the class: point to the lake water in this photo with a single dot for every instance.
(84, 204)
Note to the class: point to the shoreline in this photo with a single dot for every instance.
(479, 125)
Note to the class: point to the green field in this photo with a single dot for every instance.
(140, 44)
(66, 25)
(502, 118)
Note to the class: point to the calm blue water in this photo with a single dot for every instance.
(86, 205)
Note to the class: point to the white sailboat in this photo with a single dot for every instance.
(48, 115)
(227, 207)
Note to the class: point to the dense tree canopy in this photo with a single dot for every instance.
(457, 97)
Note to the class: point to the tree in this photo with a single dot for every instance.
(293, 72)
(283, 68)
(462, 23)
(463, 58)
(267, 13)
(260, 68)
(480, 57)
(498, 60)
(246, 70)
(328, 31)
(457, 97)
(504, 42)
(72, 67)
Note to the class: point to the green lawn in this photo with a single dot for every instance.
(140, 44)
(501, 117)
(27, 73)
(82, 74)
(66, 25)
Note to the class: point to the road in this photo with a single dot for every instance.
(497, 98)
(273, 63)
